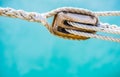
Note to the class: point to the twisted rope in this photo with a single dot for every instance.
(108, 13)
(81, 10)
(101, 27)
(41, 18)
(21, 14)
(93, 35)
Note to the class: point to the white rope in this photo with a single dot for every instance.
(108, 13)
(101, 27)
(81, 10)
(93, 35)
(69, 9)
(36, 17)
(33, 16)
(30, 16)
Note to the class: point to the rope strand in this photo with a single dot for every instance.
(93, 36)
(100, 28)
(108, 13)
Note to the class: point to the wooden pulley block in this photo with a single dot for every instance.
(60, 23)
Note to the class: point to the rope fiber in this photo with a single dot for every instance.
(42, 18)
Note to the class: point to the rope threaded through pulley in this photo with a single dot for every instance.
(70, 23)
(61, 20)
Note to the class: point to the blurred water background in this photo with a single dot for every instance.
(27, 49)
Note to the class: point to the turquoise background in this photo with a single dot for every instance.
(27, 49)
